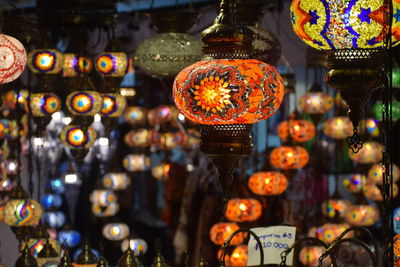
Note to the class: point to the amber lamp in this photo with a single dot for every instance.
(289, 157)
(243, 209)
(268, 183)
(227, 92)
(238, 258)
(220, 232)
(299, 130)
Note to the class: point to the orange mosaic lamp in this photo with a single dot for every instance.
(268, 183)
(227, 91)
(220, 232)
(243, 209)
(289, 157)
(298, 130)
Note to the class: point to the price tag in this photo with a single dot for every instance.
(274, 240)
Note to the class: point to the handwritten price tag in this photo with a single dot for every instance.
(274, 239)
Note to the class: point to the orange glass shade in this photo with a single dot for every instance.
(239, 255)
(375, 174)
(300, 130)
(333, 208)
(289, 157)
(362, 215)
(268, 183)
(243, 209)
(338, 127)
(330, 231)
(316, 102)
(372, 192)
(220, 232)
(237, 91)
(371, 152)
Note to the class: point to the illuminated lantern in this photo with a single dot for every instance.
(51, 201)
(116, 181)
(220, 232)
(70, 238)
(14, 99)
(338, 127)
(139, 246)
(299, 130)
(74, 137)
(316, 102)
(355, 183)
(377, 109)
(371, 127)
(84, 103)
(137, 138)
(335, 208)
(372, 192)
(362, 215)
(172, 49)
(13, 58)
(136, 162)
(330, 231)
(289, 157)
(103, 197)
(309, 256)
(107, 211)
(161, 114)
(54, 219)
(19, 211)
(371, 152)
(375, 174)
(238, 258)
(35, 245)
(396, 220)
(161, 171)
(243, 209)
(74, 65)
(112, 64)
(135, 115)
(48, 256)
(171, 140)
(268, 183)
(113, 105)
(44, 104)
(115, 231)
(45, 61)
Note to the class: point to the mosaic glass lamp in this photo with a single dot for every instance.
(296, 129)
(353, 33)
(116, 181)
(268, 183)
(139, 246)
(338, 127)
(316, 103)
(45, 61)
(48, 256)
(78, 140)
(243, 209)
(289, 157)
(220, 232)
(227, 92)
(13, 58)
(115, 231)
(75, 65)
(42, 106)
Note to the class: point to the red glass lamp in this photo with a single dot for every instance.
(227, 92)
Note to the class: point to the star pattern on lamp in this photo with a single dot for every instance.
(364, 15)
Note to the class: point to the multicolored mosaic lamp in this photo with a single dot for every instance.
(13, 58)
(45, 61)
(42, 106)
(220, 232)
(75, 65)
(268, 183)
(353, 33)
(316, 103)
(114, 105)
(289, 157)
(227, 92)
(78, 140)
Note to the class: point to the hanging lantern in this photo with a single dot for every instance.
(299, 130)
(335, 208)
(353, 33)
(5, 129)
(239, 255)
(171, 140)
(227, 92)
(51, 201)
(45, 61)
(378, 107)
(75, 137)
(116, 181)
(192, 139)
(112, 64)
(137, 138)
(268, 183)
(220, 232)
(362, 215)
(13, 58)
(115, 231)
(161, 114)
(316, 102)
(35, 245)
(74, 65)
(44, 104)
(371, 152)
(103, 197)
(161, 172)
(139, 246)
(113, 105)
(289, 157)
(136, 162)
(107, 211)
(84, 103)
(309, 256)
(135, 116)
(54, 219)
(243, 209)
(48, 256)
(374, 193)
(172, 49)
(375, 174)
(70, 238)
(371, 127)
(330, 231)
(338, 127)
(354, 183)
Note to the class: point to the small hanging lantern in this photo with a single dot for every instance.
(78, 140)
(220, 232)
(370, 153)
(13, 58)
(375, 174)
(54, 219)
(335, 208)
(243, 209)
(110, 63)
(239, 256)
(161, 172)
(299, 130)
(309, 255)
(113, 105)
(268, 183)
(42, 106)
(355, 183)
(373, 192)
(135, 115)
(362, 215)
(51, 201)
(338, 127)
(45, 61)
(115, 231)
(330, 231)
(139, 246)
(75, 65)
(289, 157)
(136, 162)
(103, 197)
(105, 211)
(316, 102)
(116, 181)
(138, 138)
